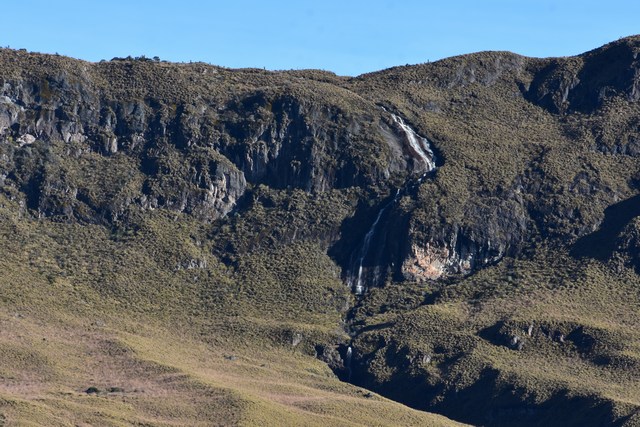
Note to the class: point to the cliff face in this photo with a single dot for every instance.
(434, 192)
(210, 144)
(192, 147)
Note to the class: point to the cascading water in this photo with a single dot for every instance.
(347, 362)
(359, 274)
(419, 145)
(420, 150)
(356, 282)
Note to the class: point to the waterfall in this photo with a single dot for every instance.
(347, 362)
(420, 146)
(420, 150)
(357, 285)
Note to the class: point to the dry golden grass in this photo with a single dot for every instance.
(157, 376)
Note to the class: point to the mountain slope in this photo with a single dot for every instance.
(459, 236)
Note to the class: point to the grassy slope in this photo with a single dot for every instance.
(153, 375)
(125, 323)
(468, 328)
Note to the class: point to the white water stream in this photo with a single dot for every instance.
(358, 286)
(420, 148)
(419, 145)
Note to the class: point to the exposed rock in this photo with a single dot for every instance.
(296, 339)
(586, 82)
(111, 145)
(192, 264)
(456, 255)
(331, 356)
(429, 263)
(516, 342)
(26, 139)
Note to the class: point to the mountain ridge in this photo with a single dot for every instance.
(233, 208)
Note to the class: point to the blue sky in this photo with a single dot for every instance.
(347, 37)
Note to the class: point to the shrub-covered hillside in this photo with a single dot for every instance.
(189, 244)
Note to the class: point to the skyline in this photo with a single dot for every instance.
(348, 38)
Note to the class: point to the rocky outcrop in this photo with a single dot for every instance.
(60, 126)
(431, 262)
(585, 82)
(455, 254)
(289, 142)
